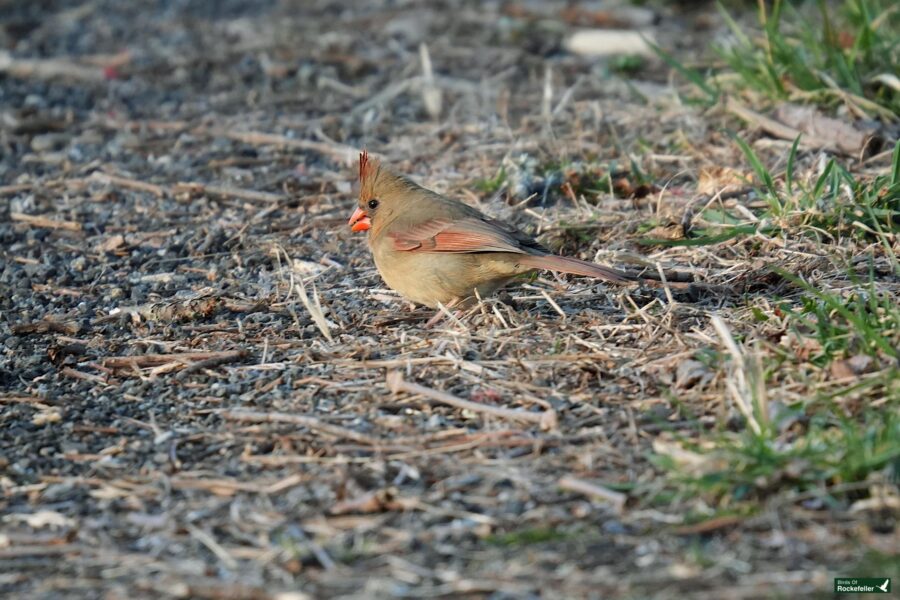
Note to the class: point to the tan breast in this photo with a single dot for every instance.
(432, 278)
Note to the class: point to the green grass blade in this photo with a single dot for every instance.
(823, 178)
(736, 29)
(762, 173)
(789, 171)
(852, 317)
(693, 76)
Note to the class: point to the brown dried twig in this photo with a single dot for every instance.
(249, 416)
(155, 360)
(213, 361)
(580, 486)
(45, 222)
(49, 68)
(546, 419)
(130, 183)
(46, 326)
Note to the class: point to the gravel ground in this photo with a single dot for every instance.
(175, 423)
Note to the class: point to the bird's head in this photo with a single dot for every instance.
(381, 193)
(361, 219)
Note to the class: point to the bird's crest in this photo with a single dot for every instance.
(367, 168)
(368, 173)
(372, 176)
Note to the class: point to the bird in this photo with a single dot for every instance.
(438, 251)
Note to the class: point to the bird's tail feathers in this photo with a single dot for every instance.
(566, 264)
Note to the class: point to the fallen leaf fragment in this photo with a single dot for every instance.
(371, 502)
(41, 518)
(610, 42)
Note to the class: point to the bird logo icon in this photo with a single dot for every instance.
(884, 586)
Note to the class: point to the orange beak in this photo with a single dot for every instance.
(359, 220)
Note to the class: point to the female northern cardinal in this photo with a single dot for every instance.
(434, 250)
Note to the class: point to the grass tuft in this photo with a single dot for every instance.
(822, 53)
(836, 337)
(830, 206)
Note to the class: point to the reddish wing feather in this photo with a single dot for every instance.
(469, 241)
(464, 235)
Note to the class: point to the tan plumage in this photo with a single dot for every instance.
(433, 249)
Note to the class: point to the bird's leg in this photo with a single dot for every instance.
(438, 316)
(441, 313)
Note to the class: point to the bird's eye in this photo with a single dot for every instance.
(373, 204)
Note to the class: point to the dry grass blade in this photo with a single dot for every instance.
(313, 307)
(744, 387)
(546, 419)
(553, 304)
(212, 545)
(249, 416)
(580, 486)
(444, 312)
(431, 93)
